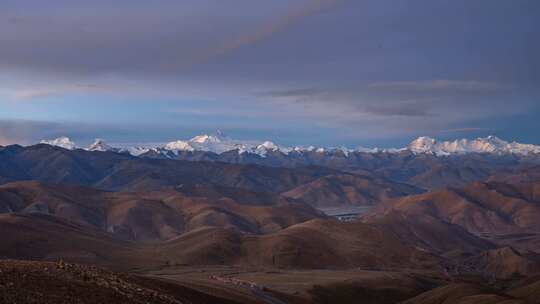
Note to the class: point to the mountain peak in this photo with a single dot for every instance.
(268, 145)
(494, 139)
(100, 145)
(206, 139)
(422, 144)
(214, 138)
(425, 139)
(62, 142)
(179, 145)
(489, 144)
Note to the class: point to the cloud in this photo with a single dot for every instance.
(28, 94)
(266, 30)
(465, 130)
(43, 91)
(442, 84)
(26, 132)
(371, 68)
(402, 98)
(295, 93)
(155, 39)
(348, 99)
(403, 109)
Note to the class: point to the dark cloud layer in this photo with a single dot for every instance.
(383, 68)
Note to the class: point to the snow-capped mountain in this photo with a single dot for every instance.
(100, 145)
(490, 144)
(216, 143)
(62, 142)
(219, 143)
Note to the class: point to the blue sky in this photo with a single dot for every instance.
(323, 72)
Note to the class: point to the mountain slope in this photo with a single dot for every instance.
(505, 263)
(115, 171)
(153, 169)
(463, 293)
(347, 189)
(505, 213)
(159, 215)
(44, 237)
(325, 244)
(66, 283)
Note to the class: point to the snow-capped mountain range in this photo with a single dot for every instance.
(490, 144)
(219, 143)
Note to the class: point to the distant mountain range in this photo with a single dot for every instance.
(425, 163)
(218, 143)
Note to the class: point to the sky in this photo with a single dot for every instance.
(297, 72)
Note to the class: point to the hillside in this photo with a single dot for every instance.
(349, 190)
(157, 215)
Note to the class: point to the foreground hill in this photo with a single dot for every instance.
(57, 283)
(45, 237)
(520, 291)
(464, 293)
(32, 282)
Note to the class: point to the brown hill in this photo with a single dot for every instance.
(325, 243)
(481, 208)
(462, 293)
(158, 215)
(44, 237)
(527, 288)
(317, 244)
(524, 291)
(430, 234)
(83, 205)
(346, 189)
(459, 246)
(442, 175)
(505, 263)
(517, 175)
